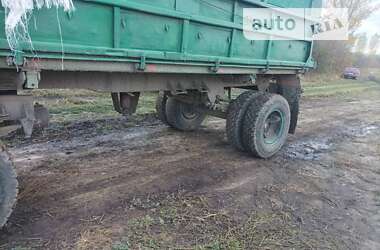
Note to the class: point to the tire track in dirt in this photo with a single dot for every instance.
(326, 177)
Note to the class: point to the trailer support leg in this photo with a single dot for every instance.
(125, 103)
(18, 108)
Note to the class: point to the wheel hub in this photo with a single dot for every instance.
(189, 112)
(274, 126)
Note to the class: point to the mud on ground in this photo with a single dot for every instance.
(134, 184)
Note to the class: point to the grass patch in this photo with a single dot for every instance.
(147, 103)
(70, 108)
(188, 222)
(68, 105)
(371, 71)
(94, 238)
(62, 93)
(339, 88)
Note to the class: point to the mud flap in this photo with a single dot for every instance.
(289, 86)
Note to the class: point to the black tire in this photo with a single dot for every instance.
(235, 117)
(266, 125)
(162, 98)
(8, 187)
(183, 116)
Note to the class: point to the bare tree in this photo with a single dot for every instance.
(361, 43)
(333, 56)
(358, 10)
(374, 44)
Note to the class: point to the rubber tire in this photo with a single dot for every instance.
(177, 120)
(235, 117)
(161, 101)
(253, 126)
(8, 187)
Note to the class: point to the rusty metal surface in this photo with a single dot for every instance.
(124, 82)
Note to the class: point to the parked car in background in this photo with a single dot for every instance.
(351, 73)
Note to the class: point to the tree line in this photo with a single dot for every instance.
(359, 50)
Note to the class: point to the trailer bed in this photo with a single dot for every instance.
(167, 36)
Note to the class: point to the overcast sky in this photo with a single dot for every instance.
(372, 25)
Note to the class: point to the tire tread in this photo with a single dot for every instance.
(251, 122)
(161, 107)
(235, 117)
(175, 119)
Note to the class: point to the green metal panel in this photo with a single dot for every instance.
(292, 3)
(193, 32)
(2, 30)
(76, 28)
(150, 32)
(249, 49)
(218, 9)
(202, 40)
(166, 4)
(290, 51)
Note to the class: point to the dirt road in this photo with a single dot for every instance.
(136, 184)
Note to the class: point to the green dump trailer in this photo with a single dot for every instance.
(193, 52)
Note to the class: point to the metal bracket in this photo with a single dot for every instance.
(216, 67)
(27, 122)
(125, 103)
(32, 79)
(266, 69)
(263, 83)
(142, 64)
(214, 92)
(18, 58)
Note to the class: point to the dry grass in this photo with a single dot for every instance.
(341, 87)
(95, 238)
(70, 105)
(191, 222)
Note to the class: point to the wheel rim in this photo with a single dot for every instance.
(274, 127)
(188, 111)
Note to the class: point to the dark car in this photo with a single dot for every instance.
(373, 77)
(351, 73)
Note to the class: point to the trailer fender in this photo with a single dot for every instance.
(289, 86)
